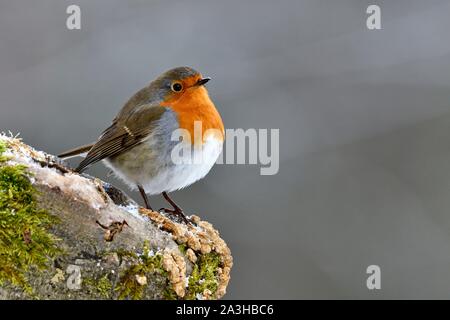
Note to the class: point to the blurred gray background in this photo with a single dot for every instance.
(364, 120)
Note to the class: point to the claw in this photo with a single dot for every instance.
(178, 213)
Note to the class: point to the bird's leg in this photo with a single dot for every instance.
(144, 195)
(176, 209)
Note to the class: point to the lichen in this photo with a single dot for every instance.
(210, 256)
(175, 265)
(203, 281)
(204, 276)
(25, 241)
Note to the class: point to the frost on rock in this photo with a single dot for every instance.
(109, 247)
(70, 183)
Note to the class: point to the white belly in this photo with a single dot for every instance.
(155, 170)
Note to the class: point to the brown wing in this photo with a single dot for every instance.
(75, 151)
(123, 134)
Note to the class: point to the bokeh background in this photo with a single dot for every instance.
(364, 119)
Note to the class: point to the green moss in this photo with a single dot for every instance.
(204, 275)
(25, 242)
(101, 287)
(147, 265)
(2, 150)
(183, 248)
(169, 293)
(122, 253)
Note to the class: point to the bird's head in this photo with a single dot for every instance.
(178, 83)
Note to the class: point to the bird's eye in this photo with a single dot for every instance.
(177, 87)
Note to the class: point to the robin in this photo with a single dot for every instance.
(138, 146)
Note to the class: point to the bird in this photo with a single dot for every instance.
(140, 148)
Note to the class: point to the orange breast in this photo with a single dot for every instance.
(196, 105)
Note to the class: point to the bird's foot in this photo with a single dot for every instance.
(178, 212)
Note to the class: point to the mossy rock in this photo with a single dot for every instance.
(25, 240)
(56, 243)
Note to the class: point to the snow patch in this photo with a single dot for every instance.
(133, 210)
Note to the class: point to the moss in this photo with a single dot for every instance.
(25, 242)
(147, 265)
(183, 248)
(169, 293)
(204, 275)
(101, 287)
(2, 150)
(122, 253)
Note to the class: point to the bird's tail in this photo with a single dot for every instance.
(76, 152)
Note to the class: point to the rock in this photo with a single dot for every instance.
(96, 242)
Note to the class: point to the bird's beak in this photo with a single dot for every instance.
(202, 81)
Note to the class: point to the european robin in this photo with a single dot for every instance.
(138, 145)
